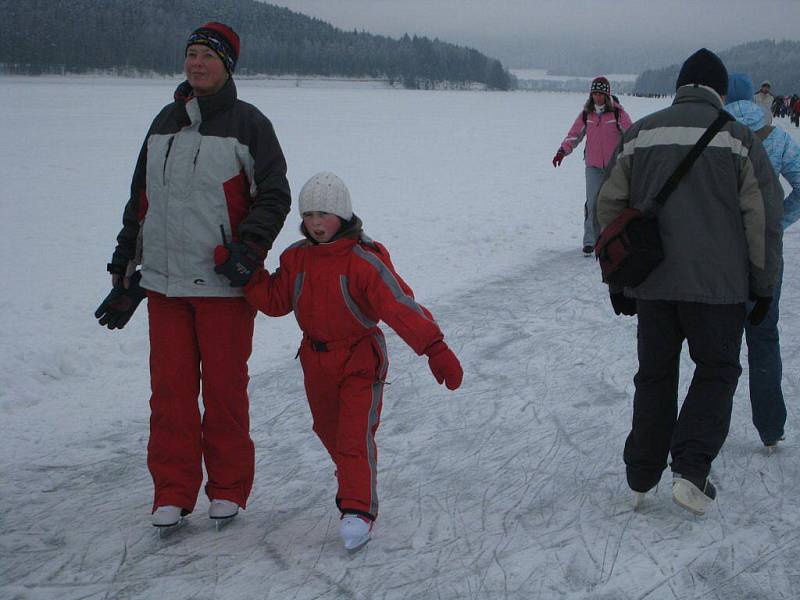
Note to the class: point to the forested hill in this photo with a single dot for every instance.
(779, 62)
(38, 36)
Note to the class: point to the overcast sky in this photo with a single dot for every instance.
(501, 27)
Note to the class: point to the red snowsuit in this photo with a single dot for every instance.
(339, 291)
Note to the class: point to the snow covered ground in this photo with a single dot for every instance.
(511, 487)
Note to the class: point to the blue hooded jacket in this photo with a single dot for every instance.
(783, 151)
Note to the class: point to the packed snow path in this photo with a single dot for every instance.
(512, 487)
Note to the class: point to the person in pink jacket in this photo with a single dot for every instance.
(601, 122)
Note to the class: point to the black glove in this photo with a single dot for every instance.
(237, 260)
(117, 308)
(622, 304)
(760, 309)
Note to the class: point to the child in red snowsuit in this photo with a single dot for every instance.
(340, 284)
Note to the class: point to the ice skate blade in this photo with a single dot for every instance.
(221, 522)
(164, 531)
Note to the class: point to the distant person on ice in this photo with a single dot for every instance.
(602, 122)
(764, 99)
(764, 350)
(721, 235)
(209, 161)
(340, 285)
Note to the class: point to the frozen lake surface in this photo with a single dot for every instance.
(511, 487)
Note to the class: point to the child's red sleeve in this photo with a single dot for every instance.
(270, 293)
(393, 301)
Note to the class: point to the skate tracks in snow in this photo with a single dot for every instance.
(512, 487)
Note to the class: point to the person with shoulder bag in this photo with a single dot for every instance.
(720, 231)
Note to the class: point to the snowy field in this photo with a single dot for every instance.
(511, 487)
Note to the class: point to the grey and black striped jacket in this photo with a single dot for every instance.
(721, 227)
(207, 162)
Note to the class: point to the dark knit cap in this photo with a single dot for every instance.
(600, 84)
(704, 68)
(221, 39)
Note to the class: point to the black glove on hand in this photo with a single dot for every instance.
(760, 309)
(622, 304)
(117, 308)
(237, 261)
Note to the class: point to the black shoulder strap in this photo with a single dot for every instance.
(689, 159)
(764, 132)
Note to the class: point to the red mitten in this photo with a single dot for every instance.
(444, 365)
(221, 255)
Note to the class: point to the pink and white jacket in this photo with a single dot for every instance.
(602, 135)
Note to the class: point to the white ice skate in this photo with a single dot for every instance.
(223, 512)
(354, 530)
(691, 496)
(638, 499)
(167, 518)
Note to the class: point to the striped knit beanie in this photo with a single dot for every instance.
(223, 40)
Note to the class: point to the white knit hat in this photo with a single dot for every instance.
(325, 192)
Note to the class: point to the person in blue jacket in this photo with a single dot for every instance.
(764, 353)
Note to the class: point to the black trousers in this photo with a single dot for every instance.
(695, 435)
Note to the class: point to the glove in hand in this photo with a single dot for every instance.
(237, 261)
(444, 365)
(118, 307)
(622, 304)
(760, 309)
(558, 158)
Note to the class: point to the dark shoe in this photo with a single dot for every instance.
(588, 250)
(640, 481)
(691, 493)
(773, 445)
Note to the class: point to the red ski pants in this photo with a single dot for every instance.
(345, 392)
(196, 341)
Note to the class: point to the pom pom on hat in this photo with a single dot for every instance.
(221, 39)
(601, 85)
(325, 192)
(704, 68)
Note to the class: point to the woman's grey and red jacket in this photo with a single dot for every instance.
(206, 162)
(721, 227)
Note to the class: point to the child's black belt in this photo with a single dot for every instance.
(349, 342)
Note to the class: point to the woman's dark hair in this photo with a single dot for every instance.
(589, 106)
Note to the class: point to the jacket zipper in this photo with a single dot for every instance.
(166, 158)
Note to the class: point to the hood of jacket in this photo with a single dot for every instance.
(740, 87)
(350, 230)
(749, 113)
(697, 93)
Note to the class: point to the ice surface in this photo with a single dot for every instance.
(511, 487)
